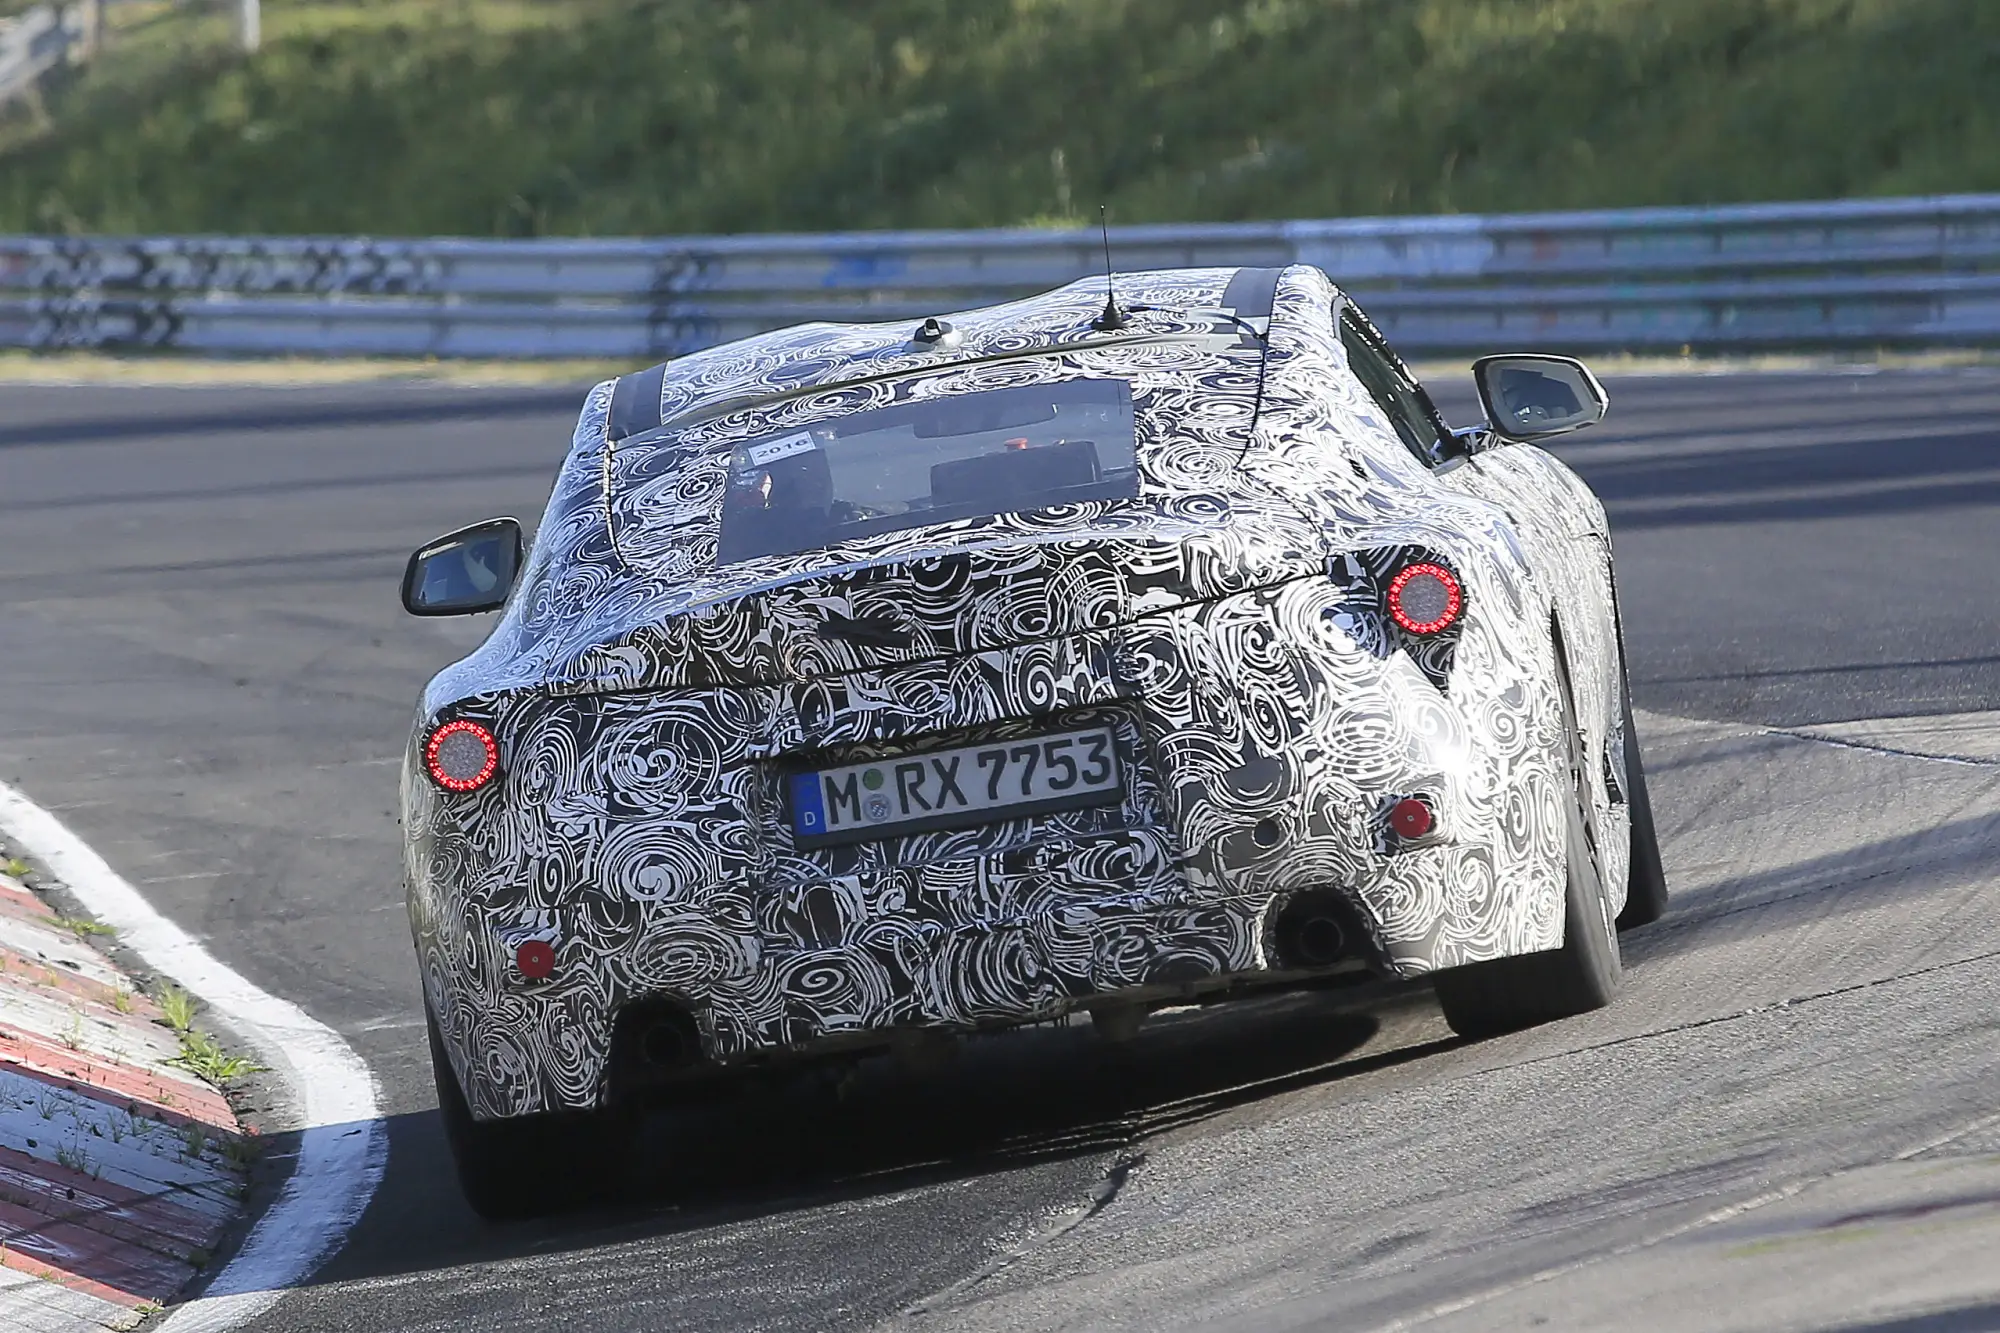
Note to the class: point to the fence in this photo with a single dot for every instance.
(1903, 272)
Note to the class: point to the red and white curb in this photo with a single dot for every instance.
(115, 1124)
(118, 1170)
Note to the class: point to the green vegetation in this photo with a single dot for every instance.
(201, 1054)
(621, 116)
(177, 1007)
(81, 926)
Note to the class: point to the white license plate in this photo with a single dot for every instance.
(973, 784)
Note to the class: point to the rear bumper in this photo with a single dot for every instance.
(907, 951)
(1269, 778)
(522, 1047)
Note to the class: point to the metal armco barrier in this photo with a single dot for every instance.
(1895, 272)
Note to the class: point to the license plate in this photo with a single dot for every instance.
(973, 784)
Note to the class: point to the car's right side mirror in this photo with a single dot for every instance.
(466, 571)
(1533, 397)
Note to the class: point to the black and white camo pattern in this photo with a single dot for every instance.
(1227, 626)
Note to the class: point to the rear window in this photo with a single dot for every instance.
(959, 456)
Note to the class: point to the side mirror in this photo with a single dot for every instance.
(461, 572)
(1534, 397)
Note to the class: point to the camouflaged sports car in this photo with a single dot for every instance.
(870, 679)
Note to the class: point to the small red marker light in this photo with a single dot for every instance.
(1425, 598)
(1411, 818)
(462, 756)
(536, 959)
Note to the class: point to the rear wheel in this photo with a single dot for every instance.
(1646, 886)
(523, 1166)
(1506, 994)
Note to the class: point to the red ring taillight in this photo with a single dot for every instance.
(1425, 598)
(536, 959)
(1411, 817)
(461, 756)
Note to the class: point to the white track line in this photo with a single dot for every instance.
(343, 1143)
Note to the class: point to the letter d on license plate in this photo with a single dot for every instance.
(974, 784)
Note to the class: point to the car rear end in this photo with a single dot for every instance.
(941, 700)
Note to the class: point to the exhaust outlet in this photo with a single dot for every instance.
(664, 1044)
(1316, 930)
(654, 1042)
(1318, 941)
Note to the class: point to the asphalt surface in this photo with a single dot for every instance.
(204, 671)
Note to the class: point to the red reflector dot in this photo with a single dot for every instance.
(1425, 598)
(462, 756)
(1411, 818)
(536, 959)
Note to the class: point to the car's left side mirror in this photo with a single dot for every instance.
(461, 572)
(1534, 397)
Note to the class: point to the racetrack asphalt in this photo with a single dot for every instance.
(204, 672)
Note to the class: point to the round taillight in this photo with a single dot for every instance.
(536, 959)
(1411, 818)
(462, 756)
(1425, 598)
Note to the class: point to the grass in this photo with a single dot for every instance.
(194, 1141)
(601, 117)
(202, 1055)
(77, 1160)
(81, 926)
(17, 868)
(177, 1007)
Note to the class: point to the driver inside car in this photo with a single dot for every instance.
(465, 574)
(1530, 395)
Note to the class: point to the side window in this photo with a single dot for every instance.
(1408, 411)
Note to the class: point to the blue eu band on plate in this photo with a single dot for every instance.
(973, 784)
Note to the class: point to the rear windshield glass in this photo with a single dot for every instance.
(960, 456)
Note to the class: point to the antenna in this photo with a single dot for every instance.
(1112, 319)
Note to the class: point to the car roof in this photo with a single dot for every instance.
(811, 356)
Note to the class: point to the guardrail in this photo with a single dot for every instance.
(1895, 272)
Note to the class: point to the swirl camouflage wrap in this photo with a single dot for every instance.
(1219, 627)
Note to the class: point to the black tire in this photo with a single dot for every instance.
(1507, 994)
(529, 1165)
(1646, 886)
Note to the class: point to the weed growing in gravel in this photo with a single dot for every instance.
(121, 1000)
(16, 868)
(239, 1151)
(177, 1007)
(77, 1160)
(203, 1056)
(81, 926)
(193, 1142)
